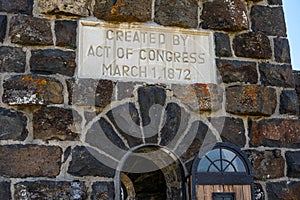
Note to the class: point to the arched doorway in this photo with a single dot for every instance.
(151, 172)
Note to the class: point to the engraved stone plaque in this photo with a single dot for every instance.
(145, 52)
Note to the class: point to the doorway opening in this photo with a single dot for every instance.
(151, 172)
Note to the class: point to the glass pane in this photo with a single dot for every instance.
(213, 169)
(218, 165)
(227, 155)
(239, 165)
(229, 168)
(203, 165)
(214, 154)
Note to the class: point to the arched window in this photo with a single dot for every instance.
(225, 171)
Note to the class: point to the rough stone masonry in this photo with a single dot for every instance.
(47, 113)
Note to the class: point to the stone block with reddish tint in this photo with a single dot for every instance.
(267, 164)
(20, 161)
(27, 30)
(237, 71)
(66, 33)
(32, 90)
(13, 125)
(252, 45)
(89, 92)
(289, 102)
(223, 47)
(231, 130)
(53, 61)
(283, 190)
(210, 96)
(17, 6)
(293, 164)
(225, 15)
(176, 13)
(103, 190)
(65, 7)
(54, 123)
(276, 75)
(5, 190)
(251, 100)
(3, 24)
(50, 190)
(282, 50)
(12, 59)
(275, 133)
(269, 20)
(125, 10)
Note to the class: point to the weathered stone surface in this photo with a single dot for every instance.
(282, 50)
(289, 102)
(125, 90)
(151, 100)
(102, 136)
(267, 164)
(52, 61)
(53, 123)
(275, 2)
(103, 191)
(65, 7)
(12, 125)
(125, 10)
(66, 33)
(85, 164)
(210, 96)
(296, 75)
(222, 45)
(51, 190)
(32, 90)
(28, 30)
(198, 139)
(5, 191)
(251, 100)
(259, 193)
(12, 59)
(237, 71)
(229, 15)
(3, 24)
(20, 161)
(18, 6)
(186, 14)
(231, 130)
(276, 75)
(283, 190)
(89, 92)
(275, 133)
(175, 123)
(293, 164)
(126, 121)
(252, 45)
(187, 96)
(269, 20)
(199, 97)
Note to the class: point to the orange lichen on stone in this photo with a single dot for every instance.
(40, 82)
(118, 4)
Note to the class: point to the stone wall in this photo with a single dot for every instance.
(48, 116)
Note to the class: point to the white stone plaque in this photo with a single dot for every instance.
(147, 53)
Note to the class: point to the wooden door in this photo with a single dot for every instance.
(204, 192)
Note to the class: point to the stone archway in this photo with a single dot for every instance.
(151, 172)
